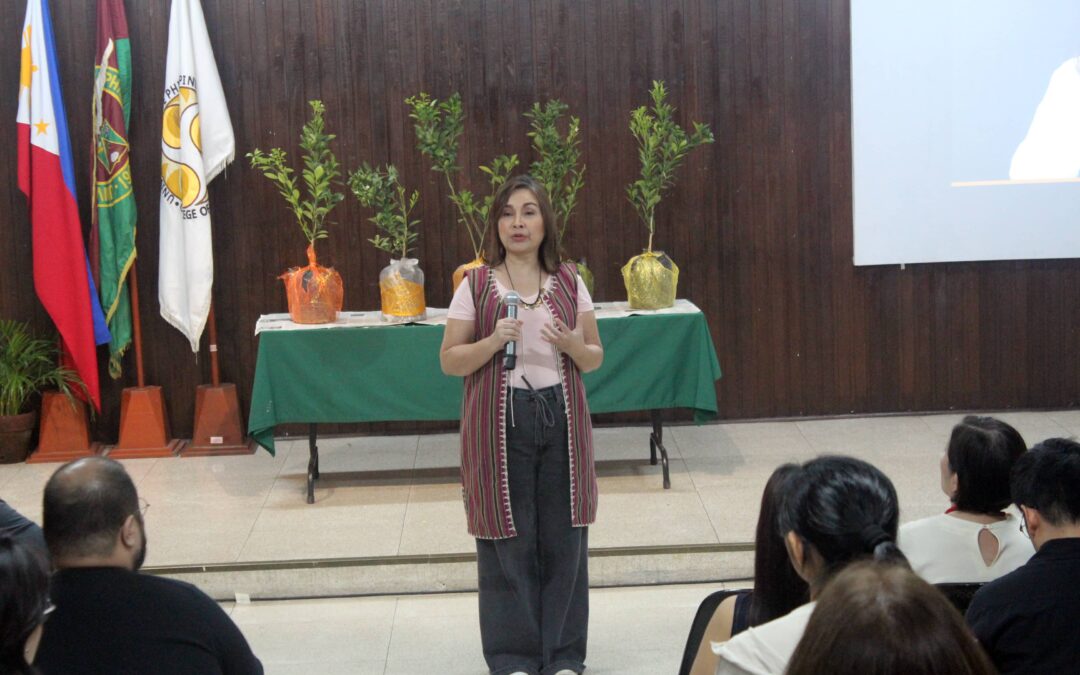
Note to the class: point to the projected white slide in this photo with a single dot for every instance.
(966, 130)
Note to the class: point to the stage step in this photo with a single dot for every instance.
(399, 575)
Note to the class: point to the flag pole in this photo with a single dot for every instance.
(136, 323)
(215, 373)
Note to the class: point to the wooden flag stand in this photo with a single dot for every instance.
(64, 431)
(144, 422)
(218, 429)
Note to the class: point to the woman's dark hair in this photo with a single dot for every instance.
(494, 251)
(24, 589)
(845, 508)
(778, 589)
(981, 452)
(885, 620)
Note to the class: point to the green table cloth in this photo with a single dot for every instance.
(391, 373)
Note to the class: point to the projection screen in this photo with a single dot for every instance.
(965, 130)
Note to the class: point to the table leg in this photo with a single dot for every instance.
(656, 440)
(313, 462)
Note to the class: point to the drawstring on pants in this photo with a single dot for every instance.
(544, 413)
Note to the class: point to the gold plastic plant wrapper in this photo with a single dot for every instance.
(651, 280)
(314, 292)
(401, 287)
(459, 273)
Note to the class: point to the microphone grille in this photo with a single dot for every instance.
(512, 298)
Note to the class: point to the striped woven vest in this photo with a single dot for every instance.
(483, 417)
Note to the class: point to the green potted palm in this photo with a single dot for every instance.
(28, 365)
(401, 283)
(652, 278)
(315, 293)
(557, 166)
(439, 125)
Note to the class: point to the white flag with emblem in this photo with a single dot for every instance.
(196, 144)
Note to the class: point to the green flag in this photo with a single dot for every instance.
(114, 202)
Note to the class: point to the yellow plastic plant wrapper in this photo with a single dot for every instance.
(459, 273)
(314, 292)
(651, 280)
(586, 276)
(401, 288)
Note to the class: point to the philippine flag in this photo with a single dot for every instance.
(47, 177)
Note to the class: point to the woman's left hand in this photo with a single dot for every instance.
(566, 340)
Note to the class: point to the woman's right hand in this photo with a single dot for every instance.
(506, 330)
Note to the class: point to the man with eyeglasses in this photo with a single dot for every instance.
(109, 618)
(1027, 620)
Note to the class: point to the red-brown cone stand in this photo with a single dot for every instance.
(64, 433)
(218, 430)
(144, 426)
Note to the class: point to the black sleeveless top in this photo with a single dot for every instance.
(741, 620)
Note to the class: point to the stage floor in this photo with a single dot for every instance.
(399, 495)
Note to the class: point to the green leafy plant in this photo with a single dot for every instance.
(29, 365)
(557, 167)
(380, 189)
(662, 146)
(439, 125)
(320, 174)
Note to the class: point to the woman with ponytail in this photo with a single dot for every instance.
(836, 510)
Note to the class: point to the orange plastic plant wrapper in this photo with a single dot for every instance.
(315, 293)
(459, 273)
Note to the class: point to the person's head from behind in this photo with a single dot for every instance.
(836, 510)
(1046, 488)
(778, 589)
(24, 603)
(521, 219)
(875, 619)
(976, 465)
(91, 516)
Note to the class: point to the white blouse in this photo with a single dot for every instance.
(945, 549)
(764, 649)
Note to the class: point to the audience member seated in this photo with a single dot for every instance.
(1027, 620)
(835, 510)
(24, 603)
(885, 620)
(976, 540)
(777, 588)
(109, 618)
(20, 527)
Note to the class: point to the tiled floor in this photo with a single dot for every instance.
(399, 495)
(438, 634)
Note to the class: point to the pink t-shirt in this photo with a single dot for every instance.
(537, 359)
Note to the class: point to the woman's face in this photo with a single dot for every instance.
(521, 227)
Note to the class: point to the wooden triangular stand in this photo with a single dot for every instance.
(64, 433)
(144, 426)
(218, 429)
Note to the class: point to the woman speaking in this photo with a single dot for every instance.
(526, 438)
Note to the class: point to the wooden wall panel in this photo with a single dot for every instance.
(760, 222)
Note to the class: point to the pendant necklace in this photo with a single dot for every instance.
(539, 293)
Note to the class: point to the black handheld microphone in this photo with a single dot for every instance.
(510, 354)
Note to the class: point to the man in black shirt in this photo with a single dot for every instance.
(109, 618)
(20, 527)
(1027, 620)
